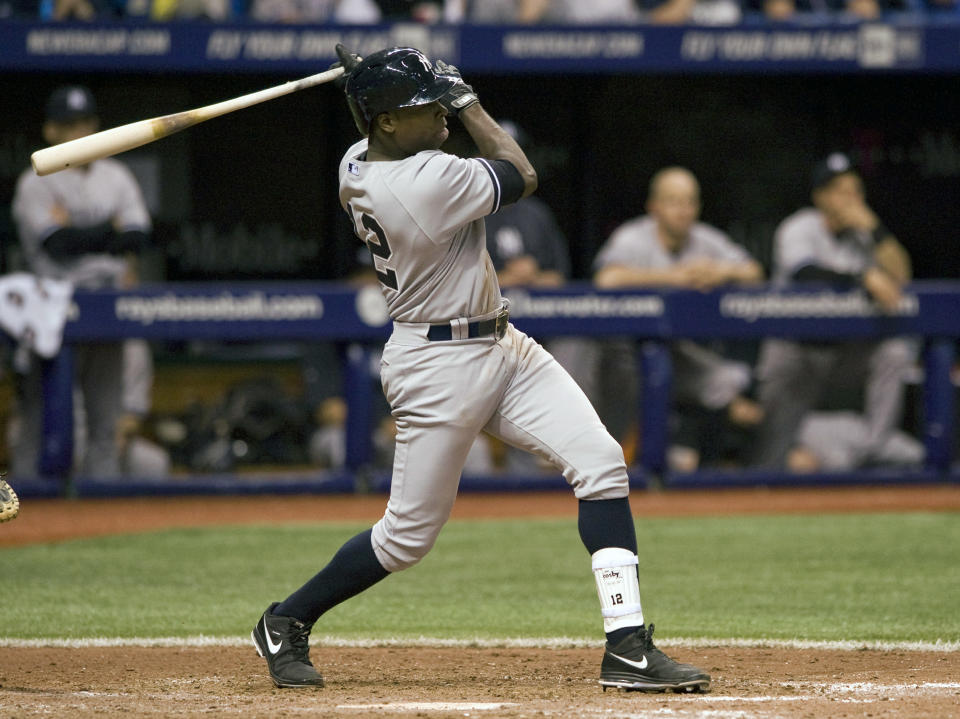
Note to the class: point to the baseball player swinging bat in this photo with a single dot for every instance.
(126, 137)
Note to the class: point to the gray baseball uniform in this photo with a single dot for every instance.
(422, 218)
(454, 366)
(793, 376)
(103, 193)
(803, 239)
(701, 376)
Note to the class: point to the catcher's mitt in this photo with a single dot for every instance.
(9, 504)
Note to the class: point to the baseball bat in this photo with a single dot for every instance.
(126, 137)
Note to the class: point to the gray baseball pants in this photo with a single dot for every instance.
(98, 385)
(792, 378)
(442, 394)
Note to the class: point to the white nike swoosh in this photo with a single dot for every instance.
(638, 665)
(274, 648)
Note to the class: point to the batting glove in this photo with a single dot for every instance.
(348, 61)
(459, 97)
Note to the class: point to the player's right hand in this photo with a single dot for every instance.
(459, 97)
(857, 215)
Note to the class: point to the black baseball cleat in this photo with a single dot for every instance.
(282, 641)
(636, 665)
(9, 503)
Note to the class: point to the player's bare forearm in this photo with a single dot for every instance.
(616, 276)
(494, 143)
(891, 256)
(746, 273)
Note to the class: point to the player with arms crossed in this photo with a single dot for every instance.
(454, 366)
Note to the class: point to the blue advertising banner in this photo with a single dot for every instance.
(307, 49)
(329, 311)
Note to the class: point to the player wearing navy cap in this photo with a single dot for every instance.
(838, 241)
(85, 225)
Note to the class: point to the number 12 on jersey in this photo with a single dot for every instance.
(371, 233)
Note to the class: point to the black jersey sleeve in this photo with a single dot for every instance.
(68, 243)
(506, 180)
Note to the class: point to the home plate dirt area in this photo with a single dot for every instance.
(471, 682)
(749, 682)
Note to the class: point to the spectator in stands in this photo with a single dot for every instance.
(86, 225)
(424, 11)
(860, 10)
(167, 10)
(542, 11)
(840, 242)
(785, 10)
(778, 10)
(350, 12)
(825, 10)
(670, 248)
(695, 12)
(76, 9)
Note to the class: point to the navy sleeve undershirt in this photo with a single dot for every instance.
(508, 181)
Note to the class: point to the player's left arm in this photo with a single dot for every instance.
(745, 272)
(888, 254)
(894, 259)
(727, 263)
(492, 141)
(496, 145)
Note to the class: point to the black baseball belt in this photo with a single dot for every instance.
(481, 328)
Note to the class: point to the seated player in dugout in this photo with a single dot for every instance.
(454, 366)
(669, 247)
(837, 241)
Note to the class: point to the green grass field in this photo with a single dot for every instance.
(877, 577)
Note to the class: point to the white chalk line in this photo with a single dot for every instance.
(432, 706)
(710, 705)
(876, 688)
(486, 643)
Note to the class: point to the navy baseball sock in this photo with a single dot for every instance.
(608, 523)
(353, 568)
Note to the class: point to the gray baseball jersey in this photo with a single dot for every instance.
(792, 375)
(104, 191)
(635, 244)
(422, 218)
(803, 239)
(701, 375)
(429, 247)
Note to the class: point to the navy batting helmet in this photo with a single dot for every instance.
(392, 78)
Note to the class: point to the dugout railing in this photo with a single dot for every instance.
(333, 312)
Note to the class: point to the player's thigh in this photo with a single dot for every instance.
(544, 411)
(787, 368)
(440, 396)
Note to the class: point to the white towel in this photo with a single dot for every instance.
(33, 311)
